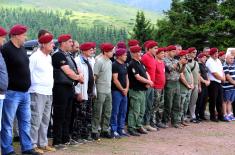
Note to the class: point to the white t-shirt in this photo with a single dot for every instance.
(214, 66)
(2, 96)
(41, 71)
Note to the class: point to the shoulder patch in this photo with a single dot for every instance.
(62, 62)
(133, 70)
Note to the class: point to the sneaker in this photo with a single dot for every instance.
(115, 135)
(142, 130)
(60, 147)
(149, 128)
(48, 149)
(105, 134)
(133, 133)
(161, 125)
(11, 153)
(123, 133)
(231, 117)
(72, 142)
(30, 152)
(39, 150)
(194, 120)
(226, 119)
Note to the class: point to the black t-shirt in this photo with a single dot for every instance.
(121, 70)
(203, 71)
(59, 60)
(136, 67)
(17, 63)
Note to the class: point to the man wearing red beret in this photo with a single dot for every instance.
(172, 90)
(84, 94)
(193, 65)
(41, 92)
(222, 57)
(66, 76)
(148, 60)
(17, 101)
(131, 43)
(139, 83)
(186, 86)
(159, 84)
(103, 104)
(203, 89)
(120, 87)
(3, 73)
(216, 76)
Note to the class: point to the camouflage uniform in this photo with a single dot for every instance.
(185, 93)
(172, 92)
(158, 106)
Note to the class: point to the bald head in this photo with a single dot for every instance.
(229, 59)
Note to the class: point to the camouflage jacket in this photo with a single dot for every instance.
(172, 74)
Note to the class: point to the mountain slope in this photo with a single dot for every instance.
(88, 12)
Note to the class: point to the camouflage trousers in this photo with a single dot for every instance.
(157, 106)
(82, 121)
(172, 109)
(184, 103)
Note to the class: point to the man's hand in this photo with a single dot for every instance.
(79, 97)
(125, 91)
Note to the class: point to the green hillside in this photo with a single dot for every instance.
(87, 13)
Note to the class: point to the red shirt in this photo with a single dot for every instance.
(150, 64)
(160, 77)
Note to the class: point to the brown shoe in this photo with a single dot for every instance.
(47, 149)
(177, 126)
(142, 130)
(185, 124)
(38, 150)
(149, 128)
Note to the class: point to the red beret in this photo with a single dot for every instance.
(221, 53)
(213, 51)
(86, 46)
(183, 53)
(171, 48)
(133, 42)
(93, 44)
(201, 55)
(3, 32)
(191, 49)
(18, 29)
(106, 47)
(120, 51)
(121, 44)
(146, 43)
(151, 44)
(45, 39)
(135, 49)
(159, 50)
(64, 38)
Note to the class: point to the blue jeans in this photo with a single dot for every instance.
(119, 109)
(1, 104)
(16, 104)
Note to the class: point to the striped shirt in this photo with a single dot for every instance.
(229, 70)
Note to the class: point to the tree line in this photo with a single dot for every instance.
(57, 23)
(197, 23)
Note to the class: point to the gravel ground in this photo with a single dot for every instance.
(206, 138)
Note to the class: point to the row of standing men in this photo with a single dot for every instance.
(90, 95)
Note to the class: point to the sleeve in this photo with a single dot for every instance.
(32, 62)
(59, 60)
(226, 70)
(115, 68)
(134, 69)
(169, 65)
(97, 67)
(212, 67)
